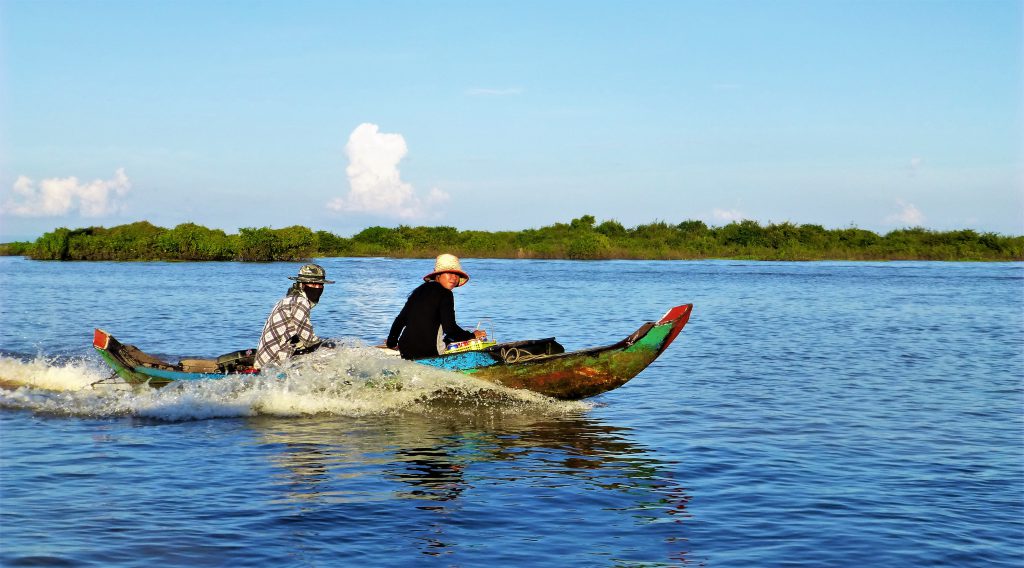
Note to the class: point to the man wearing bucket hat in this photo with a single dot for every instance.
(427, 320)
(288, 328)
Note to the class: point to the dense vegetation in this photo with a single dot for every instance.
(582, 238)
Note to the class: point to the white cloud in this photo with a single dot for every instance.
(375, 183)
(494, 92)
(907, 216)
(915, 165)
(728, 215)
(56, 197)
(437, 197)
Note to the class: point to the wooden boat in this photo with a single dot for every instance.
(539, 365)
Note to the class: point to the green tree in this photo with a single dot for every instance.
(588, 246)
(331, 244)
(581, 238)
(746, 233)
(612, 229)
(378, 241)
(585, 222)
(259, 245)
(296, 243)
(692, 228)
(52, 245)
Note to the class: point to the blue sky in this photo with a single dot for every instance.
(506, 115)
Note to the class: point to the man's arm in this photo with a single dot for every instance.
(451, 329)
(396, 330)
(301, 328)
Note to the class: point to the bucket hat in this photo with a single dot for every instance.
(447, 263)
(311, 274)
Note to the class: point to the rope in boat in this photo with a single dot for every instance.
(516, 355)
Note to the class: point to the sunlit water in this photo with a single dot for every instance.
(810, 414)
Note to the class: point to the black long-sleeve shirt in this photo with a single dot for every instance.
(417, 330)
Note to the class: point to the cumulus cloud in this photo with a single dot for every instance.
(728, 215)
(907, 216)
(56, 197)
(375, 182)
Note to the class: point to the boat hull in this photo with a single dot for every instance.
(540, 366)
(139, 368)
(578, 374)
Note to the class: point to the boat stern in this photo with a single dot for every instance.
(100, 339)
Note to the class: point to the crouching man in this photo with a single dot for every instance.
(288, 328)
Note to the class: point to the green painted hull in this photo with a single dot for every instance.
(582, 374)
(154, 377)
(139, 368)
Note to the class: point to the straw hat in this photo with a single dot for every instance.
(312, 274)
(447, 263)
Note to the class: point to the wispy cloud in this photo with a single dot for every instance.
(907, 216)
(914, 166)
(375, 182)
(494, 92)
(728, 215)
(56, 197)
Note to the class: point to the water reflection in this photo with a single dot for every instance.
(306, 463)
(427, 463)
(432, 473)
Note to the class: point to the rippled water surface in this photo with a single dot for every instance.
(810, 414)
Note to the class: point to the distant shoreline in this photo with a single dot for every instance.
(736, 258)
(580, 239)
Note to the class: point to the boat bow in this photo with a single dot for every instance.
(582, 374)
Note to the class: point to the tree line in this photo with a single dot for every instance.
(580, 239)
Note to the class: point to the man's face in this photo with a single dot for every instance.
(313, 291)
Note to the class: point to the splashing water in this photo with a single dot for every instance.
(348, 381)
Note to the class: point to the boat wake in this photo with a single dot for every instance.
(347, 381)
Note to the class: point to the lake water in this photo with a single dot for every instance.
(810, 414)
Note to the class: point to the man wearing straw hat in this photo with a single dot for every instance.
(288, 328)
(428, 318)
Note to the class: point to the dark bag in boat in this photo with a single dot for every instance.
(199, 366)
(236, 360)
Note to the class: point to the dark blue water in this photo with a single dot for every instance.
(810, 414)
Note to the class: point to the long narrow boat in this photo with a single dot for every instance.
(539, 365)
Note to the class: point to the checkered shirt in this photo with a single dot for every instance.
(289, 319)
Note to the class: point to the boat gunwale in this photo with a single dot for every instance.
(677, 322)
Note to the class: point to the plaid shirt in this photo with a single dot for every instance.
(288, 328)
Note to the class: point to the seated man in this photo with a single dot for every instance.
(288, 328)
(428, 318)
